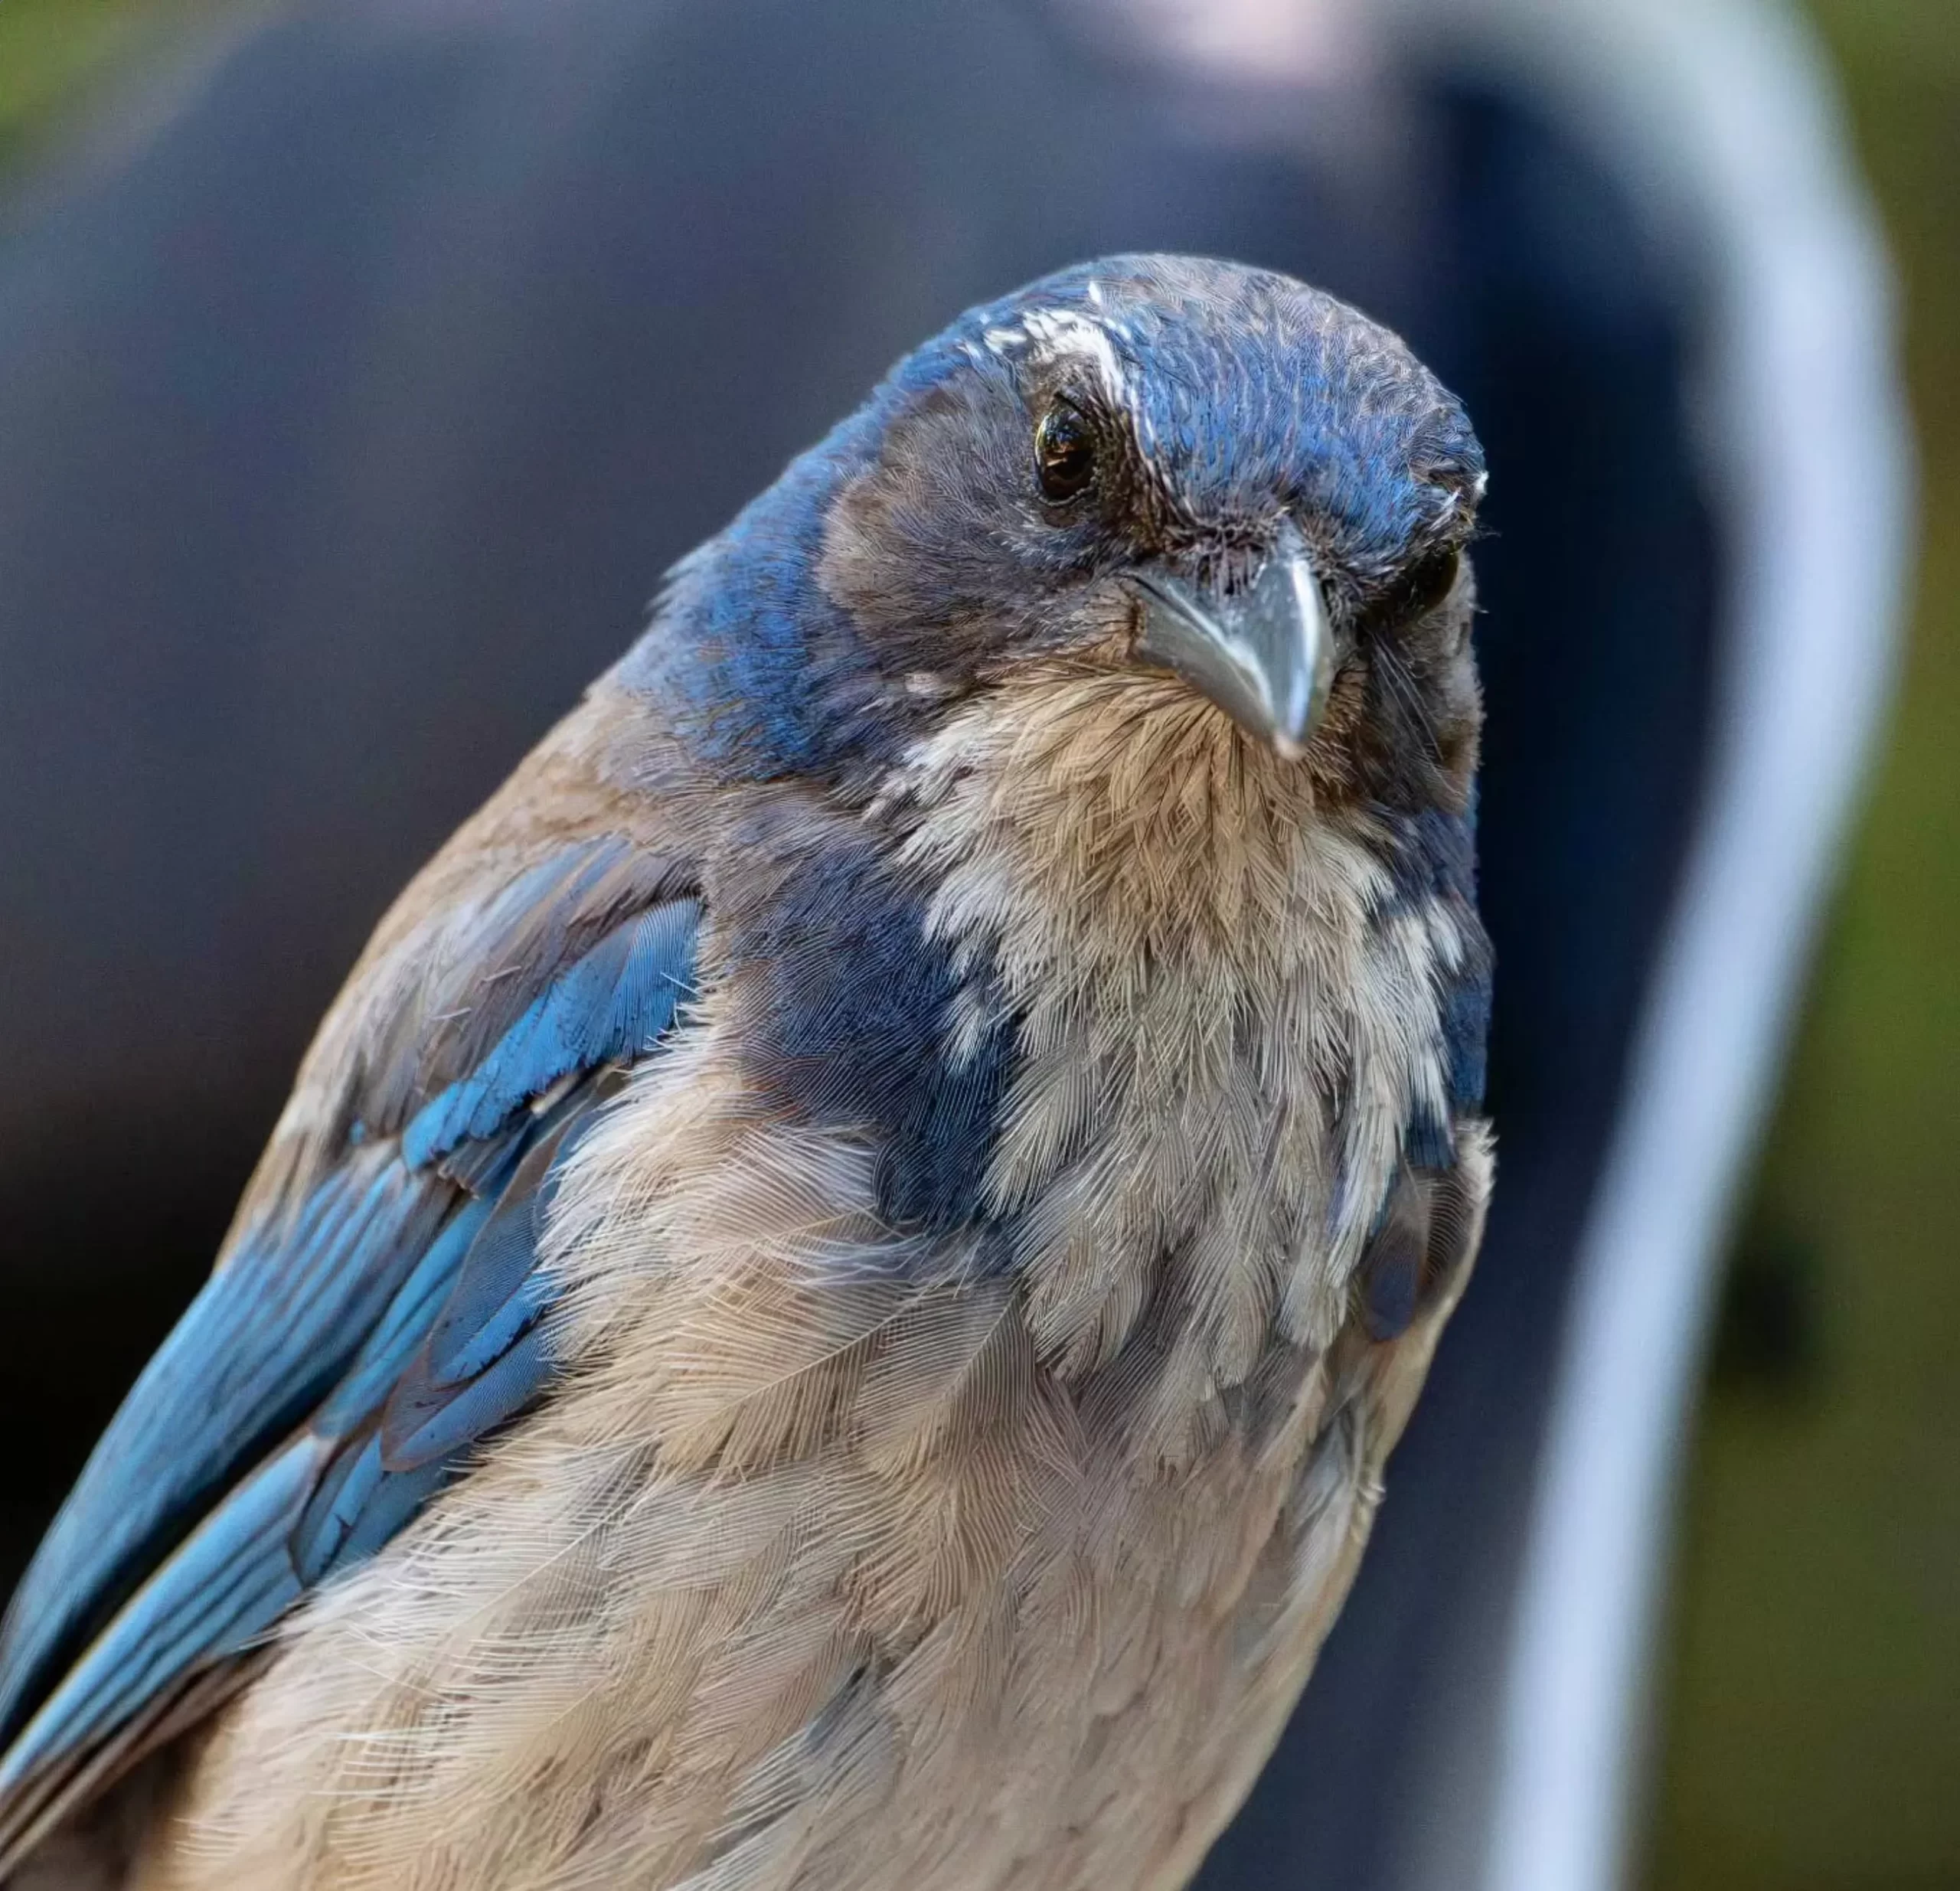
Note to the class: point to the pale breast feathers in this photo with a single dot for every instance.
(929, 1339)
(960, 1362)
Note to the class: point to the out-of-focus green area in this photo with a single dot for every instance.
(1811, 1717)
(1810, 1722)
(50, 48)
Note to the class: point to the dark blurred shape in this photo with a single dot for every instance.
(346, 422)
(1769, 1335)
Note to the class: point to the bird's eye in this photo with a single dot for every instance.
(1416, 594)
(1431, 581)
(1064, 452)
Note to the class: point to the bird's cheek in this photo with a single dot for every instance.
(1105, 626)
(1344, 720)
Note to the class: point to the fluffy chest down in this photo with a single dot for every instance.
(985, 1545)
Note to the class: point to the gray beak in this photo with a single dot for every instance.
(1266, 658)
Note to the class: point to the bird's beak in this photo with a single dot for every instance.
(1266, 657)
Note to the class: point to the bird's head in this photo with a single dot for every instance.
(1155, 471)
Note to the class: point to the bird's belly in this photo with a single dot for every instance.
(815, 1576)
(1128, 1756)
(1088, 1714)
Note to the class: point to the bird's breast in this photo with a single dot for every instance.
(971, 1532)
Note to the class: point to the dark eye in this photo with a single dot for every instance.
(1416, 594)
(1064, 452)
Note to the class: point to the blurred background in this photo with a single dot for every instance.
(363, 362)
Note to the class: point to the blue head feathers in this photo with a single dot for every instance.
(1199, 410)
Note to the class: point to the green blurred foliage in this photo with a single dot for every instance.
(1810, 1724)
(1810, 1727)
(50, 48)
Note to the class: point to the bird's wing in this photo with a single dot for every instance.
(376, 1312)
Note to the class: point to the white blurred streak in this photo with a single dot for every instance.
(1719, 115)
(1295, 43)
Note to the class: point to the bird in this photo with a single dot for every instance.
(831, 1301)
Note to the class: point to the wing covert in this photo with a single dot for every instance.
(355, 1343)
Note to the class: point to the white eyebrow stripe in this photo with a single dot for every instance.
(1069, 332)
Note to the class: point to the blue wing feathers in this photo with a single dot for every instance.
(395, 1501)
(1466, 1029)
(392, 1318)
(394, 1340)
(1429, 1141)
(493, 1299)
(263, 1342)
(338, 1499)
(448, 1417)
(227, 1583)
(359, 1507)
(614, 1003)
